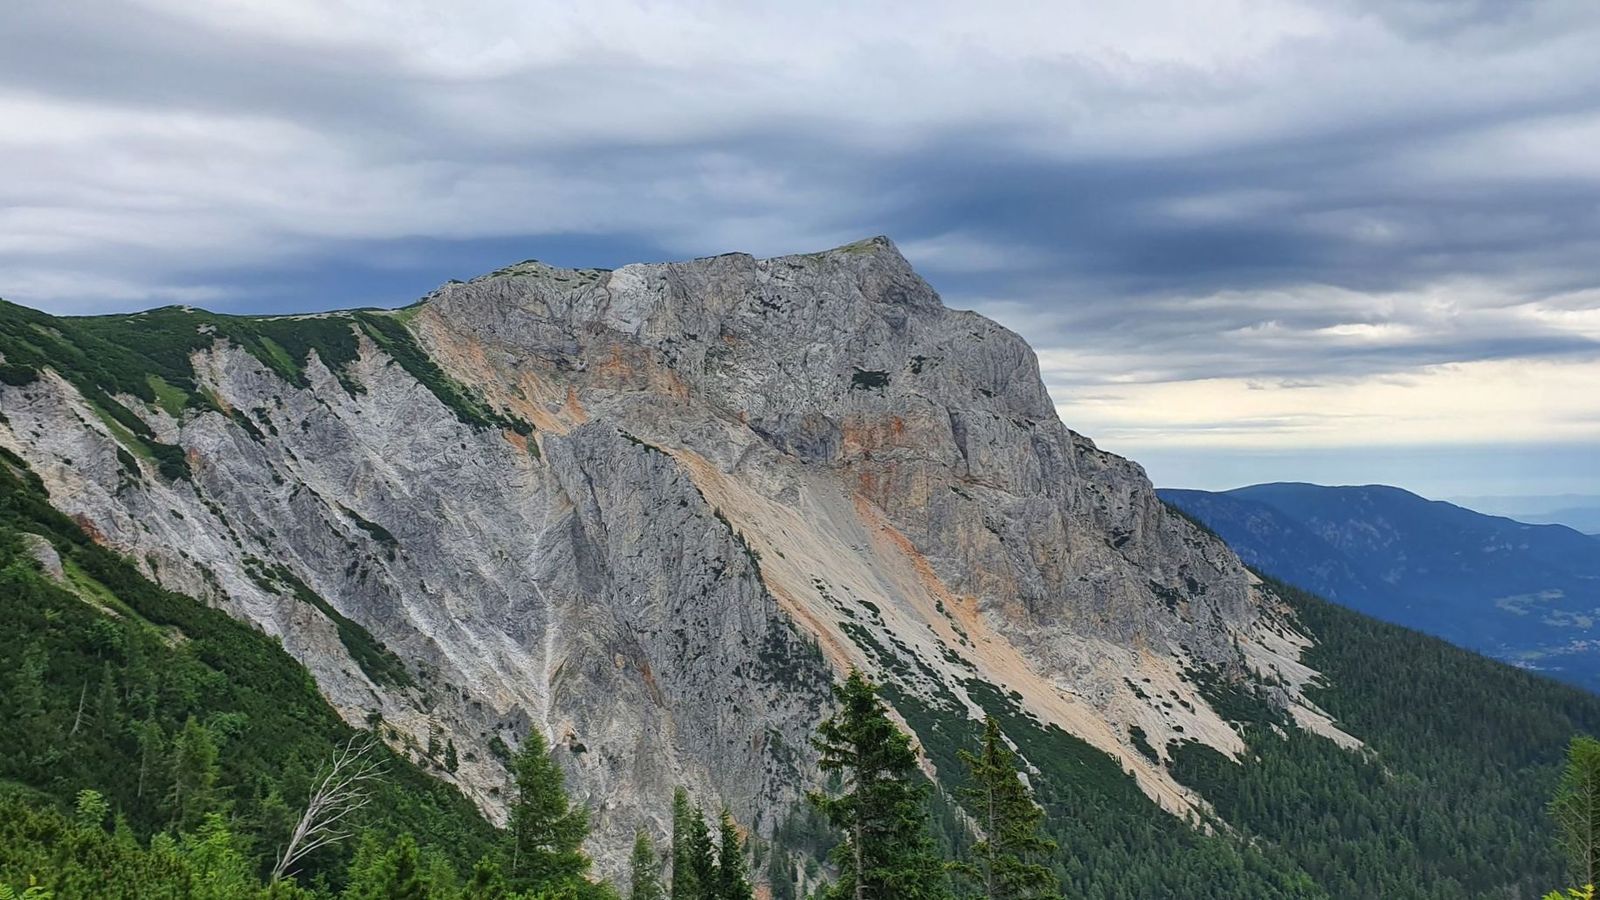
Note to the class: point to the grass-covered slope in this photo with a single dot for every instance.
(147, 356)
(101, 673)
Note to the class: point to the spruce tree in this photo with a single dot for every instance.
(686, 884)
(218, 868)
(1576, 809)
(702, 855)
(780, 873)
(646, 870)
(194, 775)
(487, 882)
(392, 874)
(887, 853)
(733, 872)
(546, 831)
(107, 708)
(1007, 856)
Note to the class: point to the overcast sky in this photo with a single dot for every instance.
(1337, 241)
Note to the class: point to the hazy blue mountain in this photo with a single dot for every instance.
(1579, 511)
(1582, 518)
(1269, 540)
(1528, 594)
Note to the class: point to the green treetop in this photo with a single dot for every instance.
(887, 852)
(546, 831)
(194, 775)
(1008, 867)
(733, 872)
(378, 873)
(1576, 809)
(646, 870)
(694, 869)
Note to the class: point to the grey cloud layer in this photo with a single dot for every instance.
(1275, 191)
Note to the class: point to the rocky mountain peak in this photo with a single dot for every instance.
(651, 512)
(777, 340)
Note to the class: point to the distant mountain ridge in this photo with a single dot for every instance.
(1527, 594)
(1577, 511)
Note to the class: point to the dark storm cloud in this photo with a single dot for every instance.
(1368, 188)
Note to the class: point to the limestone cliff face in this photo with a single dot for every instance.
(742, 477)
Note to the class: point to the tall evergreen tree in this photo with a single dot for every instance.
(887, 853)
(733, 871)
(687, 827)
(546, 831)
(780, 873)
(107, 708)
(1008, 867)
(646, 870)
(26, 693)
(194, 775)
(702, 854)
(1576, 809)
(438, 875)
(149, 737)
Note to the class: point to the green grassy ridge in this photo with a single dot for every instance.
(147, 355)
(121, 354)
(31, 341)
(390, 333)
(79, 685)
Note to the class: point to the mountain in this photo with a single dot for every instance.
(1527, 594)
(1269, 540)
(654, 512)
(1580, 512)
(1578, 518)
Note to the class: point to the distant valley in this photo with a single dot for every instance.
(1527, 594)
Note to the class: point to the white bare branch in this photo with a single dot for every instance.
(344, 789)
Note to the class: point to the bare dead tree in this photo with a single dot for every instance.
(343, 790)
(79, 720)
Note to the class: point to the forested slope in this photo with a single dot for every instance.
(1449, 798)
(169, 709)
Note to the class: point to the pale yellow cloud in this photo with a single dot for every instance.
(1488, 402)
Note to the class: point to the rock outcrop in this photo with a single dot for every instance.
(741, 477)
